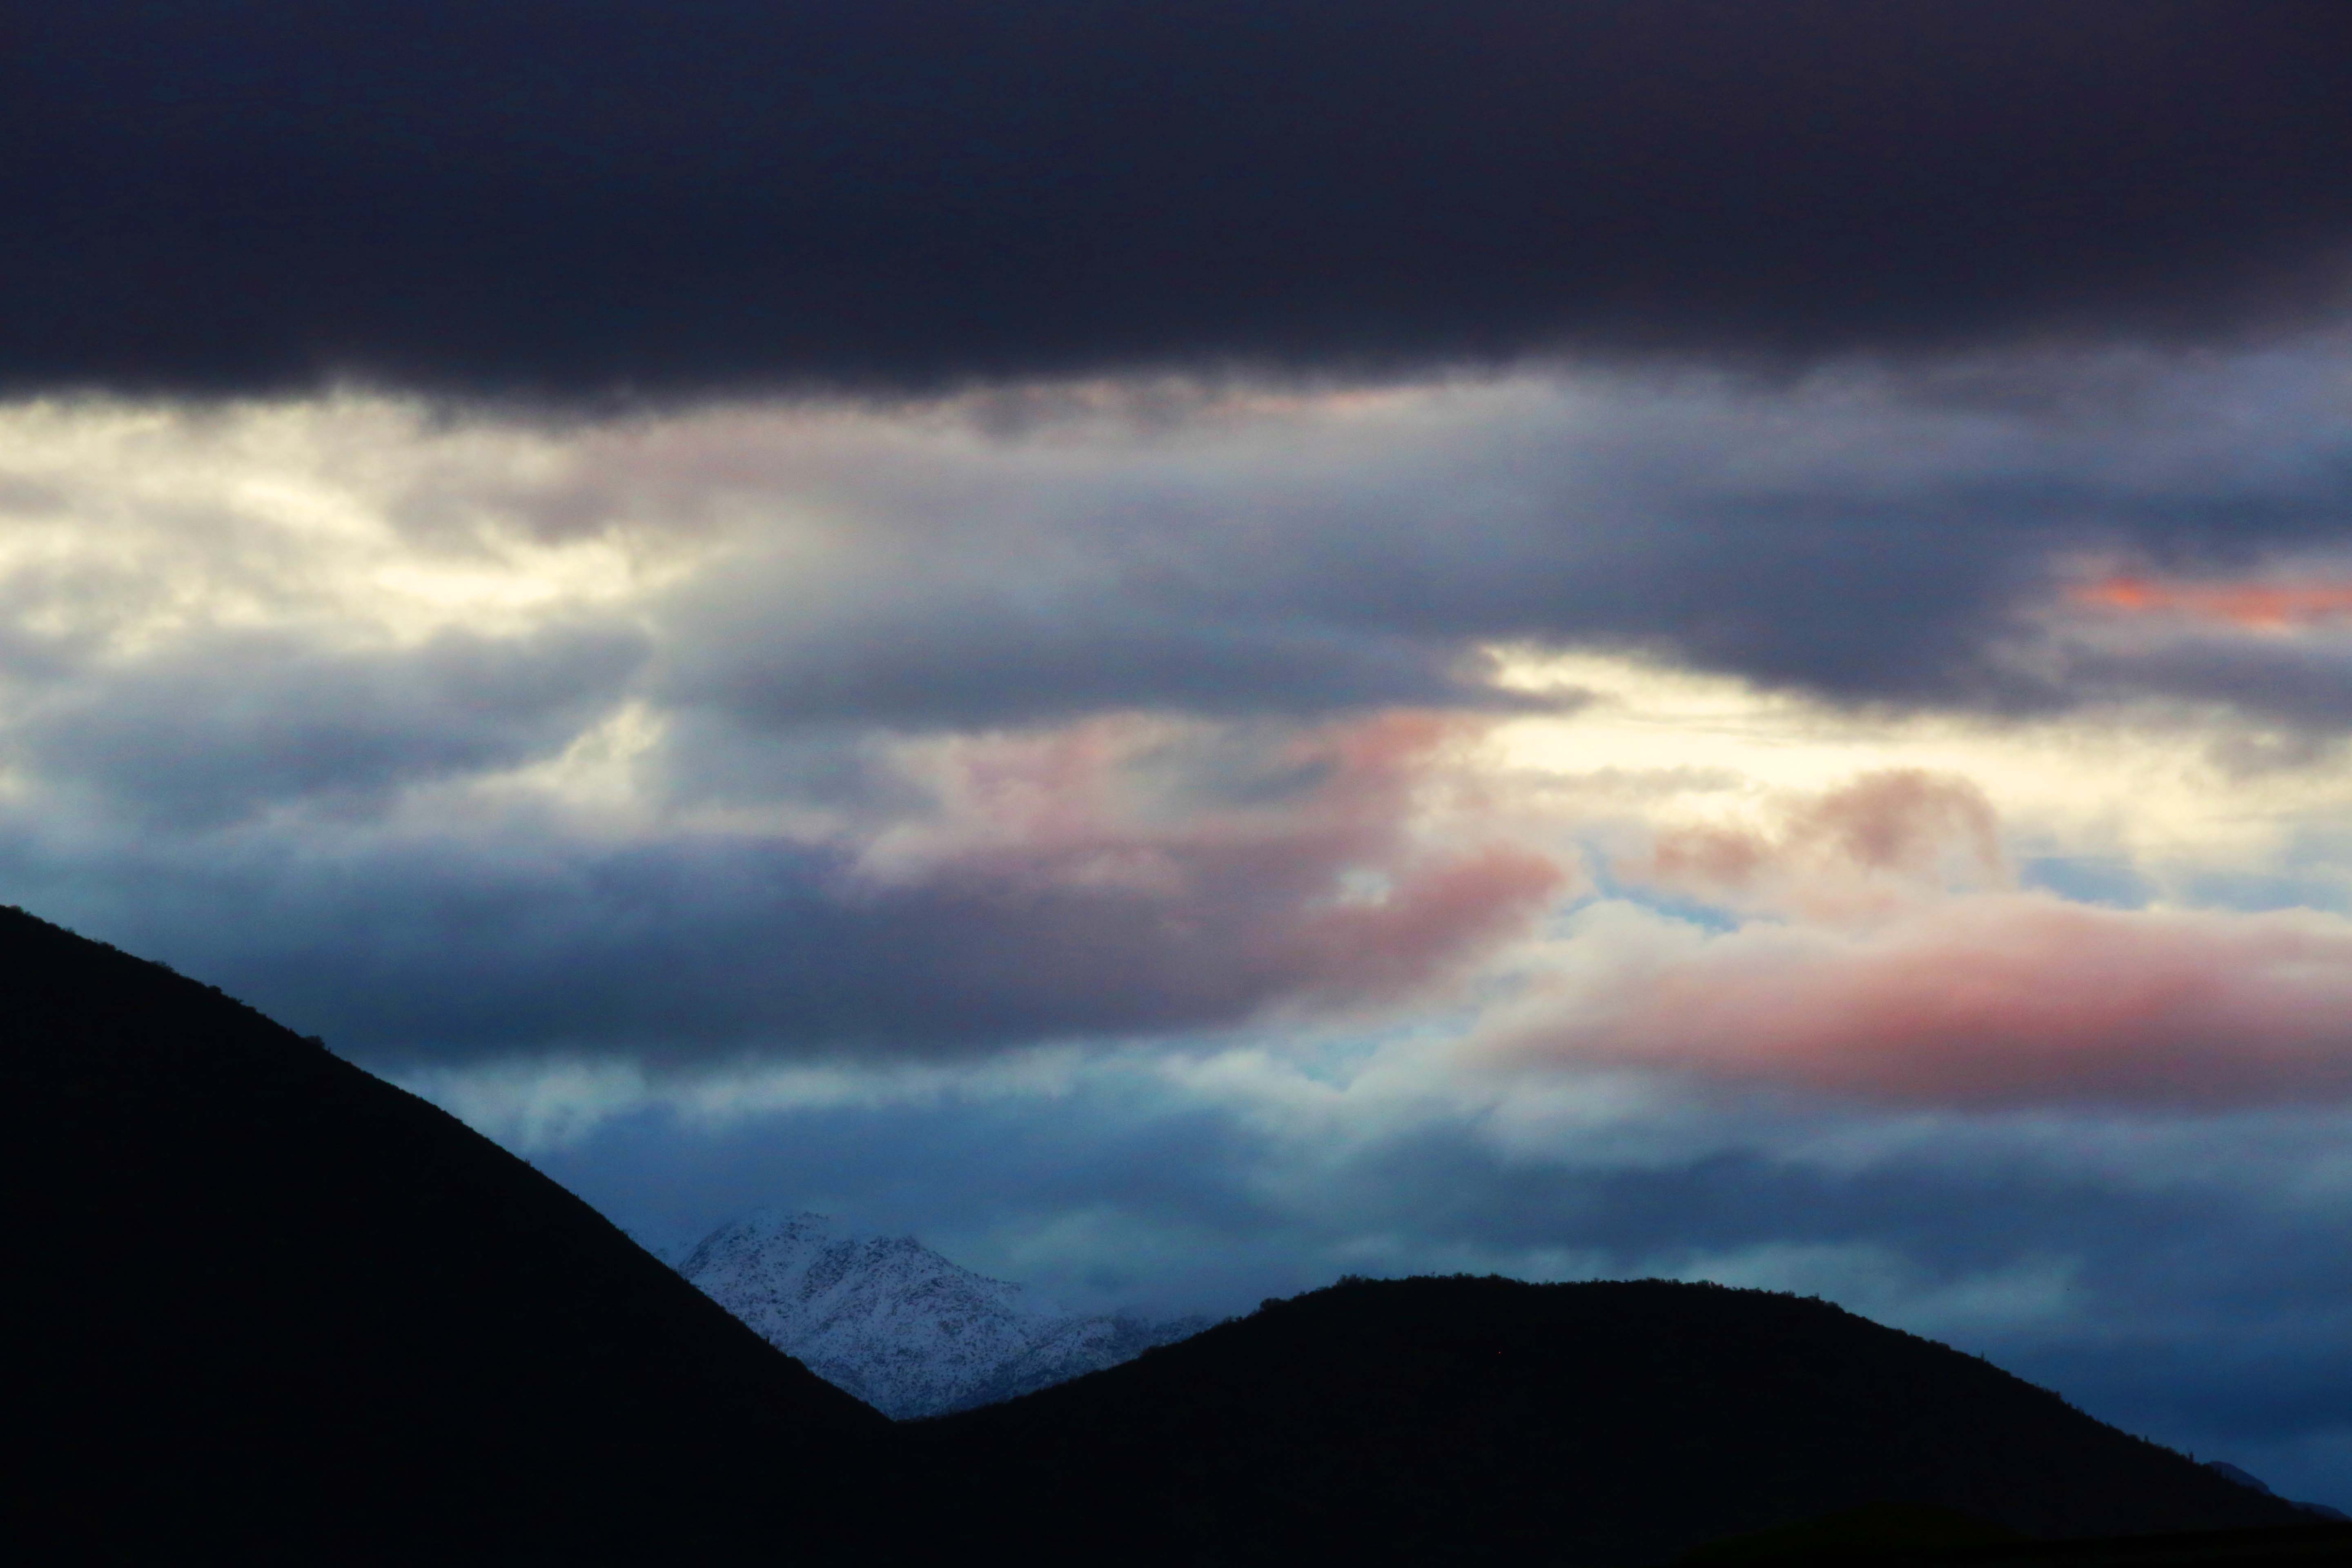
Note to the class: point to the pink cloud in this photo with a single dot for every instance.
(1883, 840)
(2250, 605)
(1170, 875)
(1992, 1000)
(1445, 908)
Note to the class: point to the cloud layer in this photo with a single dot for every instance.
(1108, 710)
(603, 196)
(1118, 878)
(1997, 1000)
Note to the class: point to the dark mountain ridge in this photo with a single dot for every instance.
(270, 1305)
(272, 1308)
(1486, 1420)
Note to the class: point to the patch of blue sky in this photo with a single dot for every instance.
(1713, 918)
(2108, 881)
(2257, 892)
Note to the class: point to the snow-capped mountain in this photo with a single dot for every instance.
(902, 1328)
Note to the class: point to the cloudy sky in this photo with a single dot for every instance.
(1188, 648)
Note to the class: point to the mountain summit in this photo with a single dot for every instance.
(1601, 1424)
(902, 1328)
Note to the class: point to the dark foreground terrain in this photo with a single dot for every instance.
(269, 1308)
(268, 1305)
(1490, 1421)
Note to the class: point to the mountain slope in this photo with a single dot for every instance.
(905, 1330)
(1464, 1420)
(270, 1305)
(2231, 1472)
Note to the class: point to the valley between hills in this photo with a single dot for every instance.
(273, 1308)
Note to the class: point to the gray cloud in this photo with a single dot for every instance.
(1875, 538)
(784, 591)
(986, 661)
(220, 725)
(407, 941)
(2306, 686)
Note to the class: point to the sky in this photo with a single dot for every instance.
(1186, 648)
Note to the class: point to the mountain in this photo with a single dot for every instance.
(266, 1306)
(2229, 1471)
(893, 1322)
(1462, 1420)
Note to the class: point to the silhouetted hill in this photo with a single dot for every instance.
(1441, 1421)
(1876, 1530)
(268, 1306)
(1834, 1542)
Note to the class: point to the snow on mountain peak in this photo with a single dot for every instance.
(889, 1320)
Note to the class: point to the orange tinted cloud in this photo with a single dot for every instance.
(2268, 606)
(1997, 1000)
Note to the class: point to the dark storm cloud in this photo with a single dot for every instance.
(1893, 601)
(593, 194)
(2302, 686)
(1872, 538)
